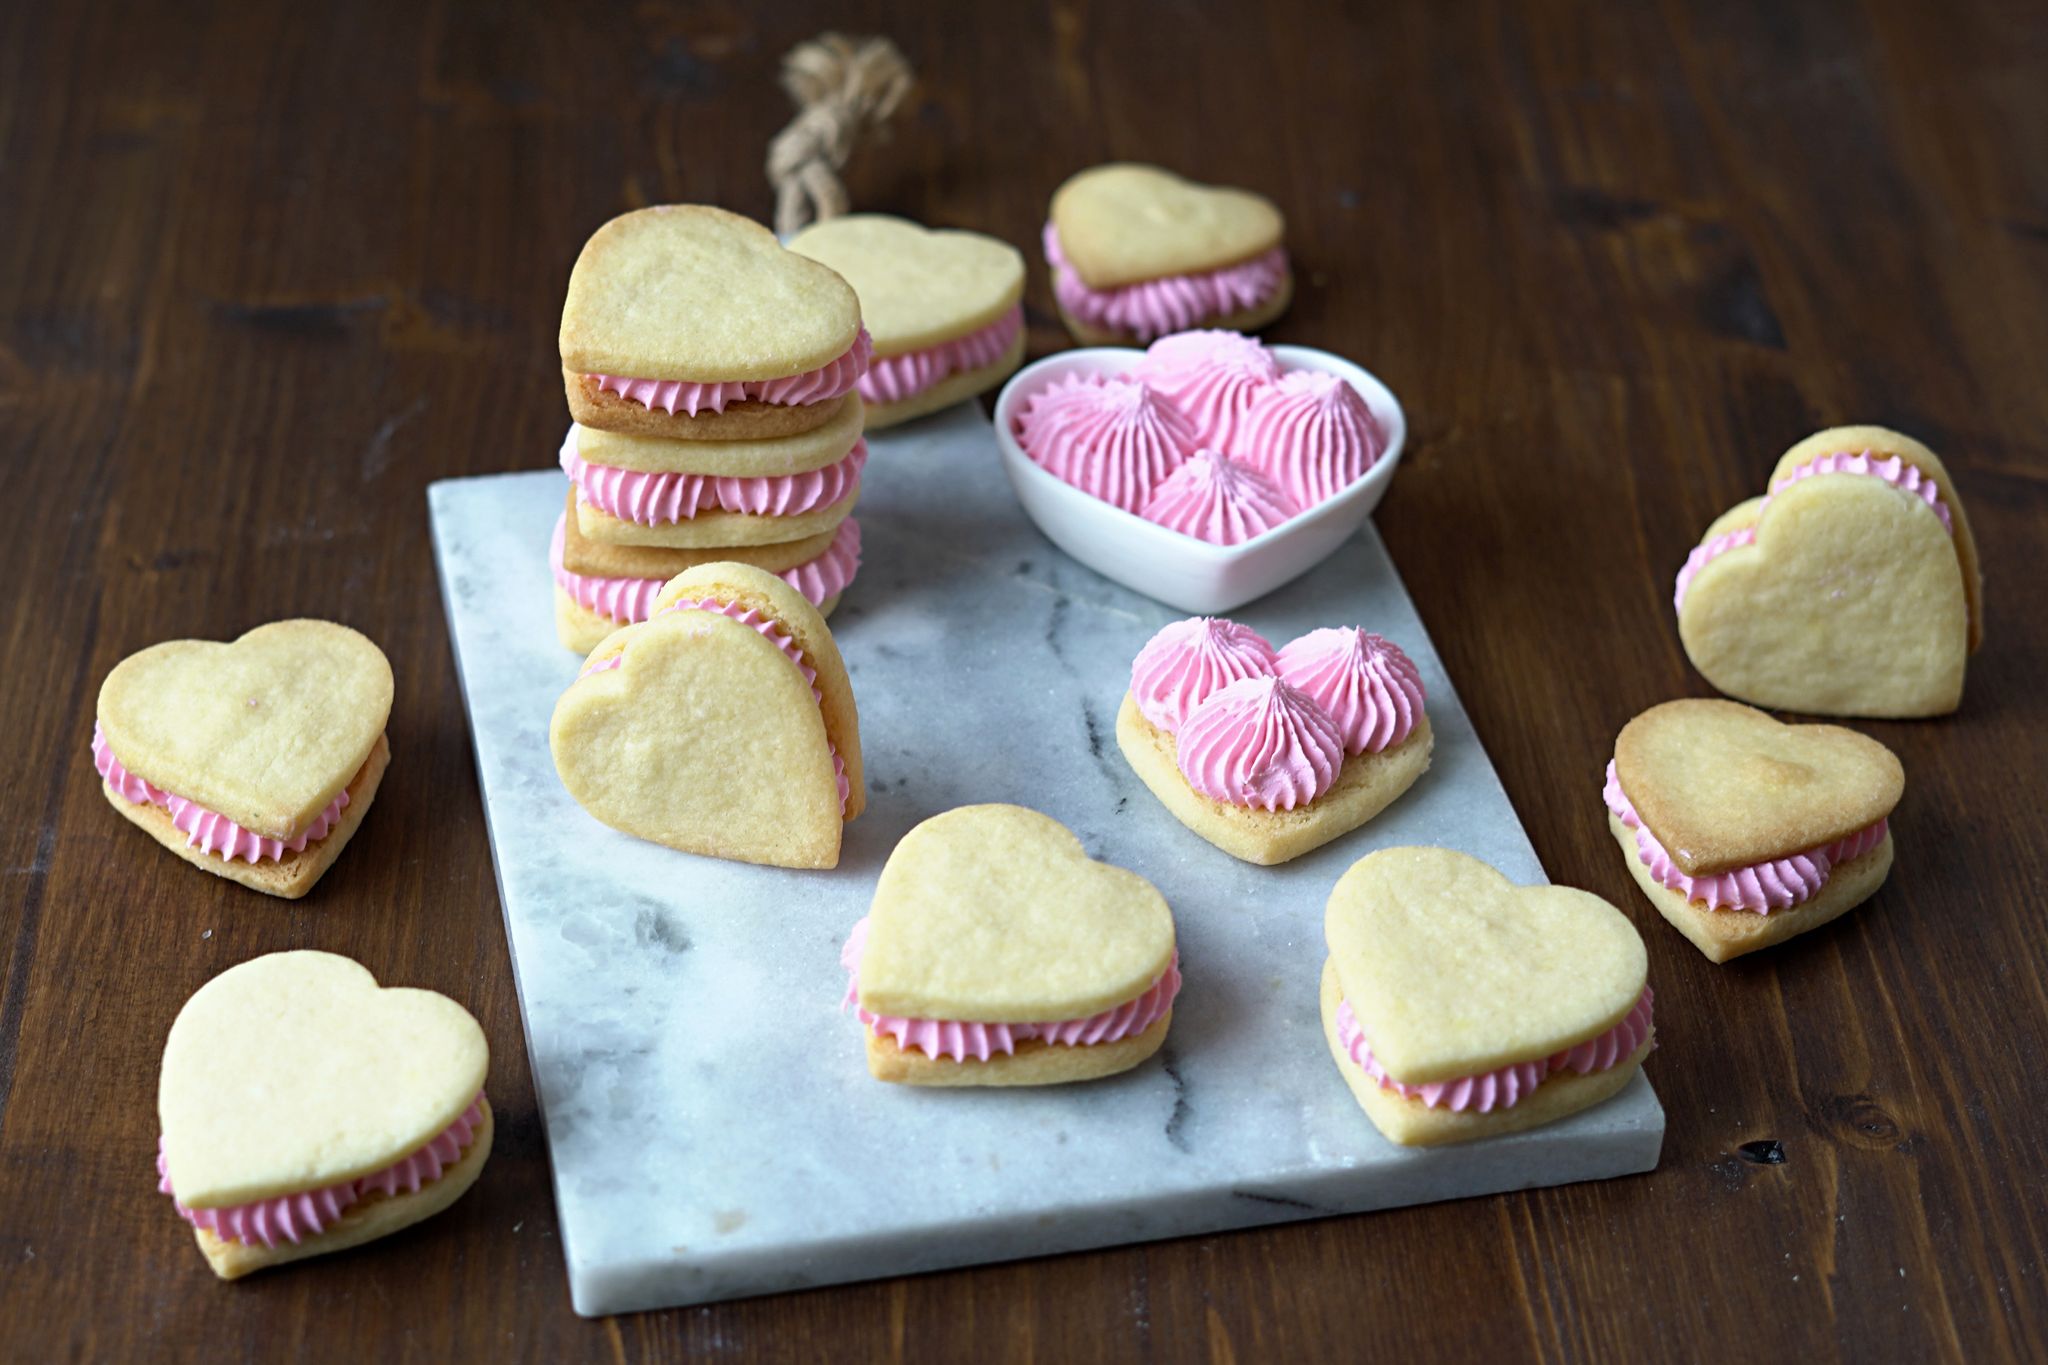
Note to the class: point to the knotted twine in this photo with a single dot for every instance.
(842, 87)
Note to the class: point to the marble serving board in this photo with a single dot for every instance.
(713, 1129)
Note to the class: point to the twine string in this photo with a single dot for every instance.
(842, 87)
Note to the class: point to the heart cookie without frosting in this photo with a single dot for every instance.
(1124, 223)
(697, 730)
(917, 286)
(996, 914)
(265, 730)
(296, 1071)
(1453, 970)
(1851, 600)
(1724, 786)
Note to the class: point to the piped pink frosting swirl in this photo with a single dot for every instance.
(891, 379)
(650, 499)
(961, 1040)
(1759, 888)
(827, 382)
(1186, 661)
(208, 830)
(295, 1217)
(1218, 500)
(1114, 439)
(1367, 683)
(1509, 1085)
(1171, 303)
(1313, 433)
(1260, 743)
(628, 600)
(1214, 377)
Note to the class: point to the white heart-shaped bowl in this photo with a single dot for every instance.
(1191, 575)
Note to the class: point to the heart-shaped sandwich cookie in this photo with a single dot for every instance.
(724, 724)
(255, 760)
(1744, 831)
(944, 308)
(1851, 589)
(1138, 252)
(996, 952)
(305, 1109)
(688, 322)
(1459, 1005)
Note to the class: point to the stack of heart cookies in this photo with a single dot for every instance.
(711, 378)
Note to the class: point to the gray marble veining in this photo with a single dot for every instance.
(713, 1129)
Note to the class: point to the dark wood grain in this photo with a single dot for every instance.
(267, 269)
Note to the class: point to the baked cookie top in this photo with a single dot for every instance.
(693, 293)
(918, 286)
(1122, 223)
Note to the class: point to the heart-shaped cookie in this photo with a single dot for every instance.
(724, 724)
(918, 287)
(1726, 786)
(1842, 593)
(1123, 223)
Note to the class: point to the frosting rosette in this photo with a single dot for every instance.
(1217, 499)
(1313, 433)
(1367, 683)
(1260, 742)
(1187, 661)
(1111, 438)
(1212, 376)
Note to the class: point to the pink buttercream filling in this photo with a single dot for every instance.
(891, 379)
(1760, 888)
(1186, 661)
(628, 600)
(1894, 471)
(959, 1040)
(650, 499)
(1219, 500)
(1260, 743)
(827, 382)
(1171, 303)
(209, 830)
(1367, 683)
(295, 1217)
(1508, 1085)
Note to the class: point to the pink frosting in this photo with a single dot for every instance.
(1499, 1089)
(628, 600)
(1894, 471)
(659, 499)
(1171, 303)
(1111, 438)
(1313, 433)
(890, 379)
(827, 382)
(1218, 500)
(1370, 687)
(209, 830)
(295, 1217)
(959, 1040)
(1214, 377)
(1760, 888)
(1188, 660)
(1262, 743)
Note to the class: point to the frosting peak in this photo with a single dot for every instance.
(1370, 687)
(1188, 660)
(1112, 438)
(1213, 376)
(1260, 742)
(1313, 433)
(1218, 500)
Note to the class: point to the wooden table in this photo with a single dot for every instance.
(265, 271)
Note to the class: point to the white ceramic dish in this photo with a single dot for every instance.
(1185, 573)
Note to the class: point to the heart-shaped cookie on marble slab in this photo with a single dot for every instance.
(1123, 223)
(724, 724)
(1459, 1004)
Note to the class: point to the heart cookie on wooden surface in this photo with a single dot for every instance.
(1124, 223)
(1459, 1004)
(1852, 589)
(1008, 956)
(305, 1108)
(724, 724)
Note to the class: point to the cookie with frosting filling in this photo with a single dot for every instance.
(305, 1109)
(1268, 753)
(1458, 1005)
(1137, 252)
(255, 760)
(997, 953)
(1744, 831)
(687, 322)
